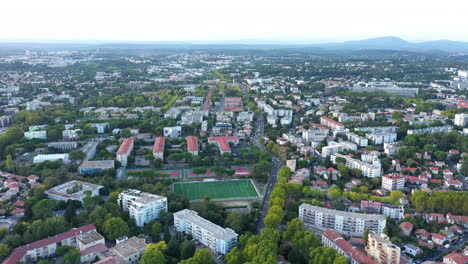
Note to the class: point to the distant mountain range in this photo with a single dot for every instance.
(381, 43)
(396, 43)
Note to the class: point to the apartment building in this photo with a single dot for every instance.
(381, 138)
(5, 121)
(158, 148)
(124, 151)
(393, 211)
(46, 247)
(218, 239)
(70, 134)
(391, 148)
(40, 134)
(381, 249)
(222, 142)
(333, 240)
(51, 157)
(143, 207)
(393, 182)
(62, 145)
(130, 250)
(73, 190)
(461, 120)
(173, 132)
(331, 123)
(315, 135)
(368, 170)
(360, 141)
(340, 221)
(95, 166)
(233, 104)
(430, 130)
(335, 147)
(192, 145)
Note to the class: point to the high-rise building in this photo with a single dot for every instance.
(393, 182)
(218, 239)
(380, 248)
(461, 120)
(368, 170)
(143, 207)
(340, 221)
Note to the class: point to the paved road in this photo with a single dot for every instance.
(275, 166)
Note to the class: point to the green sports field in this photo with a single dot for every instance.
(216, 189)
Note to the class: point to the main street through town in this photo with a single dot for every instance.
(275, 165)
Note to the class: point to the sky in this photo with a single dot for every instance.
(309, 21)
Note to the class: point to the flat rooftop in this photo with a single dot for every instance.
(216, 230)
(61, 190)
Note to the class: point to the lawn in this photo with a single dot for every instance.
(216, 189)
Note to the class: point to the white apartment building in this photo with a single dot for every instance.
(218, 239)
(381, 138)
(331, 123)
(393, 211)
(73, 190)
(430, 130)
(340, 221)
(335, 147)
(173, 132)
(391, 148)
(461, 120)
(393, 182)
(380, 248)
(51, 157)
(314, 135)
(41, 134)
(143, 207)
(360, 141)
(368, 170)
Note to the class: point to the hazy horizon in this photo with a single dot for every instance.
(296, 21)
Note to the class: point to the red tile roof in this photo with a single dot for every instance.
(331, 121)
(125, 146)
(95, 248)
(192, 143)
(159, 145)
(456, 258)
(223, 142)
(19, 252)
(406, 226)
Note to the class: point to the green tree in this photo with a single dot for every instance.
(203, 256)
(77, 155)
(272, 220)
(154, 254)
(115, 227)
(10, 164)
(44, 209)
(234, 221)
(62, 250)
(156, 230)
(4, 251)
(187, 249)
(72, 257)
